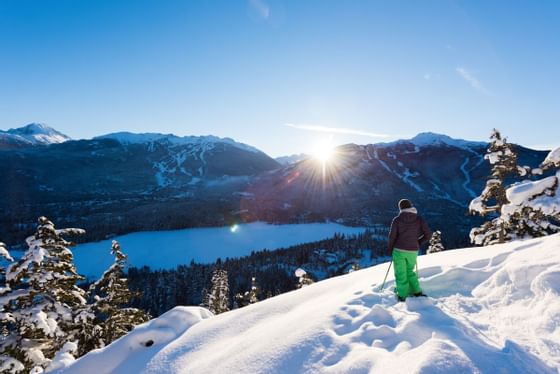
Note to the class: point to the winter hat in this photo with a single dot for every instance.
(404, 204)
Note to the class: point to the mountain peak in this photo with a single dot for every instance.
(430, 138)
(33, 134)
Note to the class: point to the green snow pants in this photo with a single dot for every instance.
(405, 276)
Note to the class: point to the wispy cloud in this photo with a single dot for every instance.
(336, 130)
(262, 8)
(472, 80)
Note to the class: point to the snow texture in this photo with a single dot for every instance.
(492, 309)
(543, 195)
(300, 272)
(64, 357)
(167, 249)
(132, 352)
(553, 158)
(4, 253)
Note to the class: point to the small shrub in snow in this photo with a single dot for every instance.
(435, 243)
(355, 267)
(248, 297)
(303, 278)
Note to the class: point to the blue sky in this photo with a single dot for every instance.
(284, 75)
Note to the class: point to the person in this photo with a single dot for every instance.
(408, 232)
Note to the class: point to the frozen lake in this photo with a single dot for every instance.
(167, 249)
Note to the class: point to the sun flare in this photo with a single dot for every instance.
(324, 151)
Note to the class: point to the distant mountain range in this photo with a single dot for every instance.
(125, 182)
(288, 160)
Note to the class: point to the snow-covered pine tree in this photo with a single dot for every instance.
(42, 299)
(205, 298)
(8, 364)
(111, 295)
(218, 297)
(4, 256)
(303, 278)
(248, 297)
(435, 243)
(253, 293)
(503, 159)
(533, 207)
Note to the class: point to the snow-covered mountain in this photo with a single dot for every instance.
(154, 181)
(292, 159)
(492, 310)
(425, 139)
(206, 142)
(31, 135)
(175, 181)
(362, 183)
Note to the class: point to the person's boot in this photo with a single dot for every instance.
(400, 298)
(420, 294)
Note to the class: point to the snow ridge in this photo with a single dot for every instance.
(204, 141)
(292, 159)
(429, 139)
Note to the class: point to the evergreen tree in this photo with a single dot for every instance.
(205, 298)
(218, 297)
(42, 297)
(7, 337)
(248, 297)
(503, 159)
(111, 298)
(435, 243)
(253, 294)
(533, 209)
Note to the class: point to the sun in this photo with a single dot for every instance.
(324, 151)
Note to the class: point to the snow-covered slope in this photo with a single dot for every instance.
(32, 134)
(493, 310)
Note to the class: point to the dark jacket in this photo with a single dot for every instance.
(408, 232)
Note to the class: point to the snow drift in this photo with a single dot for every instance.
(492, 309)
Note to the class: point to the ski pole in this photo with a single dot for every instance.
(384, 279)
